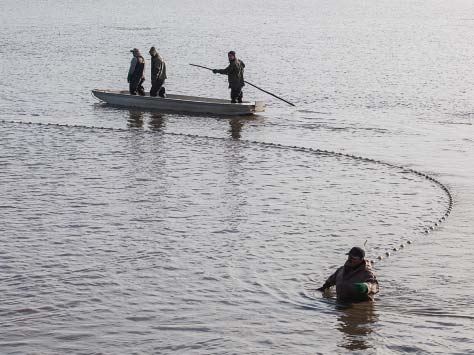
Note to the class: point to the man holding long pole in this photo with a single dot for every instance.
(235, 74)
(243, 82)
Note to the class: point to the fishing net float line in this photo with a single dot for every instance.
(426, 230)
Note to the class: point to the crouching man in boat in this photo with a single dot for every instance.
(355, 281)
(158, 73)
(235, 74)
(135, 73)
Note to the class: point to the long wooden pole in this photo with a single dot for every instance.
(200, 66)
(255, 86)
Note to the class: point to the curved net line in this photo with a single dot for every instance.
(429, 228)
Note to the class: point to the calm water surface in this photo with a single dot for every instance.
(141, 232)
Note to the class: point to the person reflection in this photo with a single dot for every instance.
(157, 122)
(136, 119)
(236, 127)
(356, 323)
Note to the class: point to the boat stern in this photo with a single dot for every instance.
(259, 106)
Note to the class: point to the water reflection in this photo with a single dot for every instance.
(135, 119)
(236, 182)
(356, 323)
(157, 122)
(236, 125)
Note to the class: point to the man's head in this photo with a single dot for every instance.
(152, 51)
(135, 52)
(355, 256)
(231, 56)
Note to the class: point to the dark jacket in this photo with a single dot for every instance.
(137, 67)
(158, 68)
(345, 277)
(235, 73)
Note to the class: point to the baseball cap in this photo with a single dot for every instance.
(356, 252)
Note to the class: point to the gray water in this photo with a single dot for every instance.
(129, 232)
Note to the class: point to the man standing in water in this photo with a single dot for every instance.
(158, 73)
(135, 73)
(355, 281)
(235, 73)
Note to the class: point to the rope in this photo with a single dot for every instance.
(426, 230)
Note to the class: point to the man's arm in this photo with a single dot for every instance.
(331, 281)
(369, 286)
(133, 63)
(372, 284)
(159, 66)
(222, 71)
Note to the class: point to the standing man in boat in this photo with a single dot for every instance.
(355, 280)
(135, 73)
(235, 73)
(158, 73)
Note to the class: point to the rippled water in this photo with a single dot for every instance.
(139, 232)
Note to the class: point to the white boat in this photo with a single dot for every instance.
(179, 103)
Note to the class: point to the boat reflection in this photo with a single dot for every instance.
(157, 122)
(135, 119)
(356, 323)
(236, 125)
(157, 119)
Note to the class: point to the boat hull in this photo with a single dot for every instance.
(179, 103)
